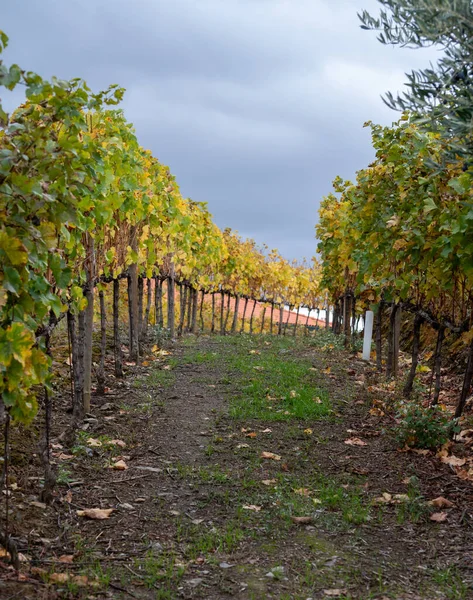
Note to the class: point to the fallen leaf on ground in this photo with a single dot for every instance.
(251, 435)
(327, 370)
(59, 577)
(301, 520)
(455, 461)
(251, 507)
(465, 475)
(359, 471)
(268, 481)
(441, 502)
(387, 498)
(95, 513)
(120, 443)
(293, 394)
(308, 431)
(79, 580)
(258, 368)
(63, 456)
(354, 441)
(302, 492)
(267, 430)
(335, 592)
(66, 558)
(439, 517)
(120, 465)
(420, 451)
(94, 443)
(243, 446)
(464, 435)
(270, 455)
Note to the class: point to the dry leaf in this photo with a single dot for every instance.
(464, 474)
(308, 431)
(387, 498)
(302, 492)
(63, 456)
(317, 400)
(268, 481)
(267, 430)
(464, 435)
(251, 435)
(68, 497)
(95, 513)
(420, 451)
(120, 443)
(439, 517)
(270, 455)
(251, 507)
(293, 394)
(301, 520)
(83, 580)
(455, 461)
(359, 471)
(41, 505)
(243, 446)
(354, 441)
(336, 592)
(59, 577)
(79, 580)
(441, 502)
(258, 368)
(66, 558)
(120, 465)
(94, 443)
(327, 370)
(384, 499)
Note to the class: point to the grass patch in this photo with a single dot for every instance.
(274, 385)
(198, 357)
(199, 540)
(156, 378)
(322, 498)
(451, 583)
(158, 570)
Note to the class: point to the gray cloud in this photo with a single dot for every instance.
(256, 105)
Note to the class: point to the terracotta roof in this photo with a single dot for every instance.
(259, 308)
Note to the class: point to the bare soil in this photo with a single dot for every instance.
(192, 517)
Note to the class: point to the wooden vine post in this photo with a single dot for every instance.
(89, 319)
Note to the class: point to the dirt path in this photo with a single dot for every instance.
(202, 512)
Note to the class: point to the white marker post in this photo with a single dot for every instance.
(368, 334)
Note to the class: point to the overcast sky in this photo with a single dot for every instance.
(256, 105)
